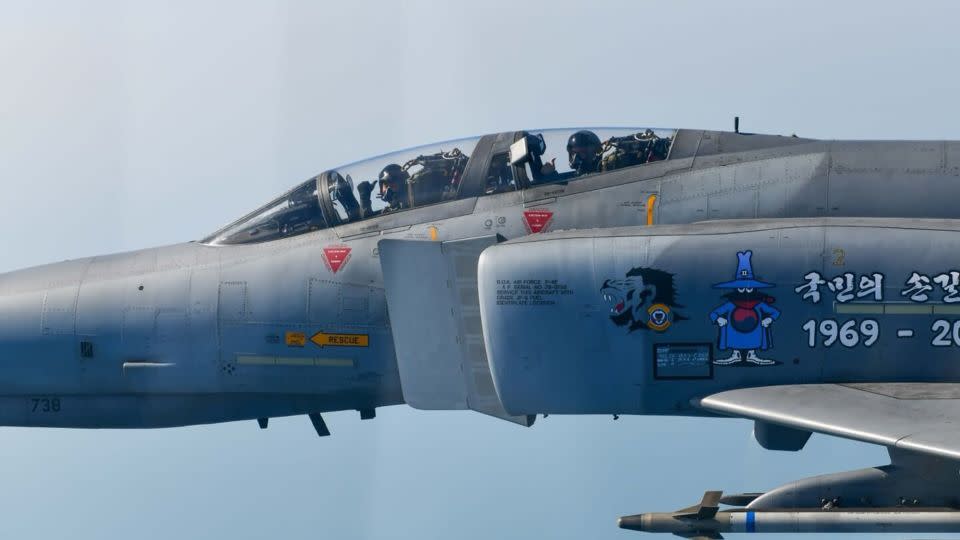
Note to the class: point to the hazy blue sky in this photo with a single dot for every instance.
(132, 124)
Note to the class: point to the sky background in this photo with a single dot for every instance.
(133, 124)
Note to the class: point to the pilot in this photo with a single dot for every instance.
(393, 187)
(584, 150)
(365, 189)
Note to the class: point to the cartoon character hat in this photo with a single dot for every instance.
(744, 277)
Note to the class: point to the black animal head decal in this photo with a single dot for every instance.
(645, 300)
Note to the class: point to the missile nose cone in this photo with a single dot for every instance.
(633, 523)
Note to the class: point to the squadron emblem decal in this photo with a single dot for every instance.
(743, 321)
(645, 300)
(659, 317)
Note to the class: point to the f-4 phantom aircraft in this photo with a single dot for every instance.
(811, 286)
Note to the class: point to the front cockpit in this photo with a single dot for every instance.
(398, 181)
(439, 173)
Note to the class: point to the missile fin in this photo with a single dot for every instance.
(707, 508)
(705, 535)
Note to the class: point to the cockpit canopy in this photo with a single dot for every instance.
(407, 179)
(441, 172)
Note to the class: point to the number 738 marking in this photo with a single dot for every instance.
(849, 334)
(45, 405)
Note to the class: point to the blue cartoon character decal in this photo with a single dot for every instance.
(744, 319)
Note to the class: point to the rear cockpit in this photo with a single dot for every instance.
(561, 155)
(437, 173)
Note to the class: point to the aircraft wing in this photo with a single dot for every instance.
(919, 417)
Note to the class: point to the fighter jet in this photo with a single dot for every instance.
(808, 285)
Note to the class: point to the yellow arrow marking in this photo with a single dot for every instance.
(340, 340)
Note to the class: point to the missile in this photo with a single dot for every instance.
(706, 521)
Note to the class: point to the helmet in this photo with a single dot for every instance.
(393, 174)
(393, 185)
(584, 150)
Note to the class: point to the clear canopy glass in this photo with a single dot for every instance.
(616, 148)
(436, 173)
(400, 180)
(295, 212)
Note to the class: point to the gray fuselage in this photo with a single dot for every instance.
(194, 333)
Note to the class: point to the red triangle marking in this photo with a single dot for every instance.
(336, 257)
(537, 220)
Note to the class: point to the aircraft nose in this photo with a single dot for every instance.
(37, 329)
(73, 325)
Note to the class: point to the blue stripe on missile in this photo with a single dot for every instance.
(751, 522)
